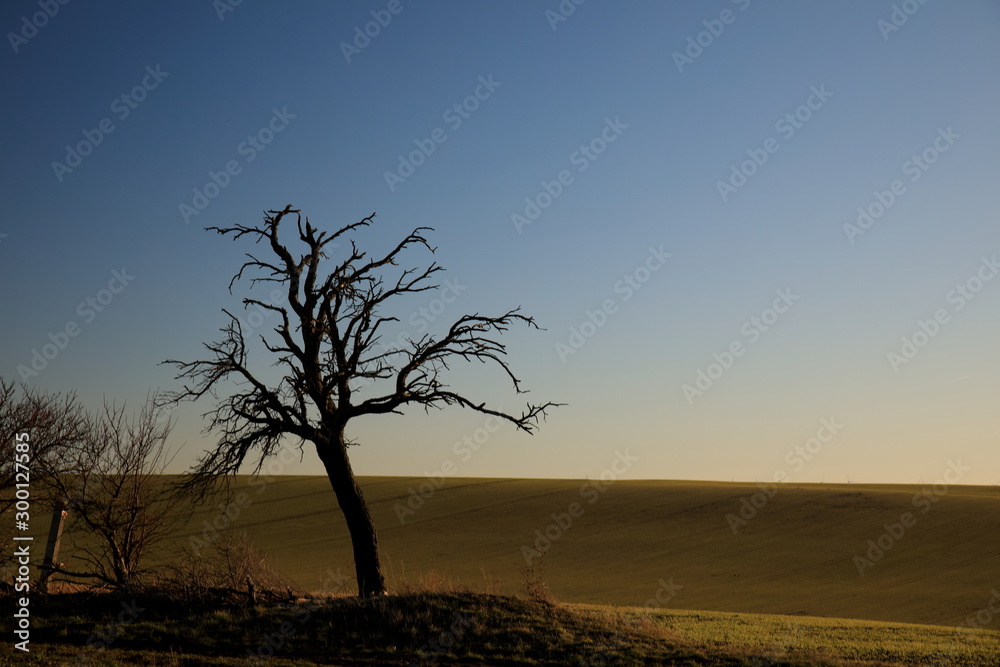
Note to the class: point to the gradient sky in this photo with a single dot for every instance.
(888, 95)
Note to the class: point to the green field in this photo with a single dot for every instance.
(795, 557)
(650, 572)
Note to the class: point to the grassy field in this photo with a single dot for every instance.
(466, 629)
(647, 572)
(795, 557)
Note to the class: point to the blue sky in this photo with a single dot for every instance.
(640, 137)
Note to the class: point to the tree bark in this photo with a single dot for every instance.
(367, 564)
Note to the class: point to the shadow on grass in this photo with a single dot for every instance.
(415, 628)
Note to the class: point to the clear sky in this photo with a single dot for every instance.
(738, 137)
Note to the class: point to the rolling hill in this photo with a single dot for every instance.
(798, 551)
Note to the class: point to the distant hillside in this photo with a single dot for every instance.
(640, 539)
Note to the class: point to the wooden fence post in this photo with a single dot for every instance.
(52, 548)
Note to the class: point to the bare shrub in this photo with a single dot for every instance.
(119, 503)
(491, 582)
(224, 569)
(533, 577)
(56, 424)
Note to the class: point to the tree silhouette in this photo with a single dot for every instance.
(105, 467)
(113, 482)
(328, 346)
(56, 424)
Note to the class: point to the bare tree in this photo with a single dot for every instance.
(328, 346)
(55, 425)
(120, 505)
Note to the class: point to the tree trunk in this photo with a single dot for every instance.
(367, 565)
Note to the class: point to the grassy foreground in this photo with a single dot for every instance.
(470, 629)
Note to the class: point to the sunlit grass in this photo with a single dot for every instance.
(463, 628)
